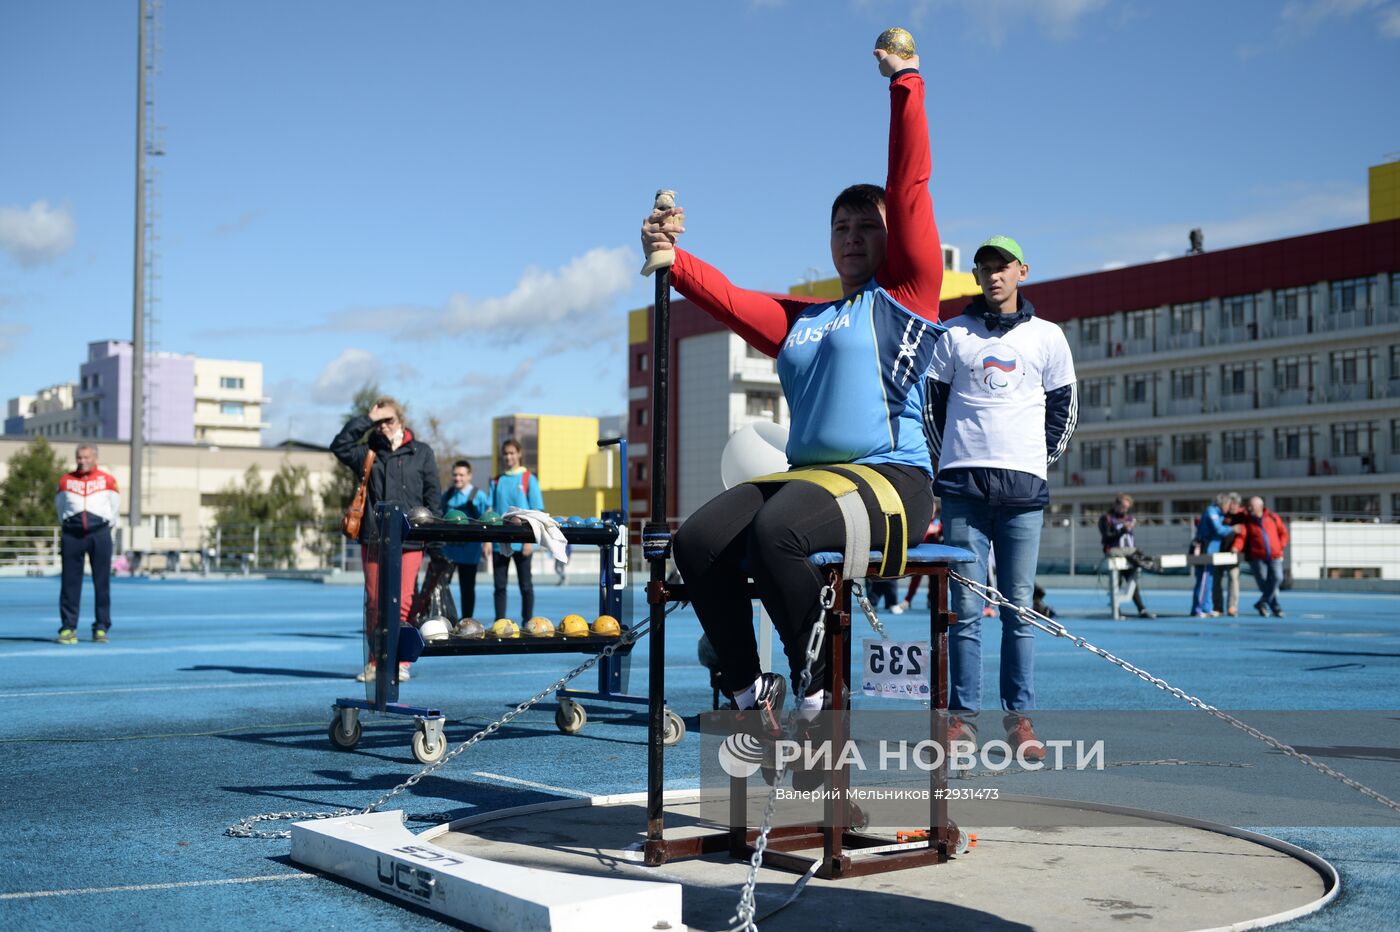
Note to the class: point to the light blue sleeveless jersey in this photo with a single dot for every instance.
(853, 373)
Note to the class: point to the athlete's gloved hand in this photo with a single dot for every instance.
(891, 64)
(660, 230)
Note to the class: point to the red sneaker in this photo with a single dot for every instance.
(1023, 741)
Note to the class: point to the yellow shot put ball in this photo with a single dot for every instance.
(606, 626)
(573, 626)
(896, 41)
(505, 628)
(539, 627)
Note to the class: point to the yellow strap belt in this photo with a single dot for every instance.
(840, 481)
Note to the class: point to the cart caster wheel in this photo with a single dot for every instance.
(423, 752)
(344, 740)
(964, 843)
(570, 717)
(675, 729)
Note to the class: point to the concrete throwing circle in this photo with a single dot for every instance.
(1158, 872)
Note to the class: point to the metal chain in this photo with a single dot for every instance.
(1055, 629)
(244, 828)
(859, 592)
(743, 917)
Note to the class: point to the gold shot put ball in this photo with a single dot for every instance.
(896, 41)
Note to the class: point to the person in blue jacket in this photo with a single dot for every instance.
(1212, 530)
(472, 502)
(515, 487)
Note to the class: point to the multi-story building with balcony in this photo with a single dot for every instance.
(1270, 369)
(189, 399)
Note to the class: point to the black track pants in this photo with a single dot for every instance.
(771, 529)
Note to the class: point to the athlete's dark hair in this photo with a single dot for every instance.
(859, 197)
(464, 464)
(512, 442)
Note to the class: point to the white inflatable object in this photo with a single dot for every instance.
(435, 629)
(755, 449)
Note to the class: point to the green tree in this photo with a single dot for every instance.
(279, 513)
(30, 484)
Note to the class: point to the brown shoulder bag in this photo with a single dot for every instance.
(355, 514)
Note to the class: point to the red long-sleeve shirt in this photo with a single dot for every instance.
(912, 271)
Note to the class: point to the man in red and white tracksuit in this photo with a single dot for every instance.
(87, 508)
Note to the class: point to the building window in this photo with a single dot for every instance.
(1140, 451)
(231, 381)
(1093, 331)
(1139, 325)
(234, 408)
(96, 407)
(753, 352)
(1291, 303)
(1094, 393)
(641, 417)
(1292, 443)
(1352, 438)
(643, 362)
(1095, 455)
(1296, 505)
(1234, 379)
(1395, 441)
(1356, 506)
(163, 525)
(1135, 389)
(1234, 447)
(1187, 383)
(761, 404)
(1352, 294)
(1186, 318)
(1395, 293)
(1292, 373)
(1395, 364)
(641, 472)
(1237, 311)
(1189, 449)
(1352, 367)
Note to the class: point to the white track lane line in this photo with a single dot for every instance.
(136, 888)
(77, 651)
(40, 694)
(533, 785)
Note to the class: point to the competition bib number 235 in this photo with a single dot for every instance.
(896, 669)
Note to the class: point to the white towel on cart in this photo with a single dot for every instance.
(546, 531)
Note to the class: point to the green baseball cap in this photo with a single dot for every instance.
(1005, 245)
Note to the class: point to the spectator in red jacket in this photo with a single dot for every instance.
(1265, 537)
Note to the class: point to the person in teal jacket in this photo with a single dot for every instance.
(474, 503)
(515, 487)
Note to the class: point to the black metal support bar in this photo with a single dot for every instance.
(656, 665)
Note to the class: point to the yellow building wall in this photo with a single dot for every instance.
(955, 285)
(565, 443)
(566, 446)
(1385, 192)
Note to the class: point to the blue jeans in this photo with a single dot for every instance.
(1269, 574)
(1014, 535)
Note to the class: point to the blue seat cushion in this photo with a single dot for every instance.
(924, 554)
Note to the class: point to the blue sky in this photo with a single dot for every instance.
(445, 196)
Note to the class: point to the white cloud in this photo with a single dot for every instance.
(569, 303)
(1113, 264)
(1290, 212)
(343, 375)
(10, 334)
(243, 220)
(1299, 19)
(36, 234)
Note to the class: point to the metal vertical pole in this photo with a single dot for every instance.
(138, 323)
(256, 529)
(656, 646)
